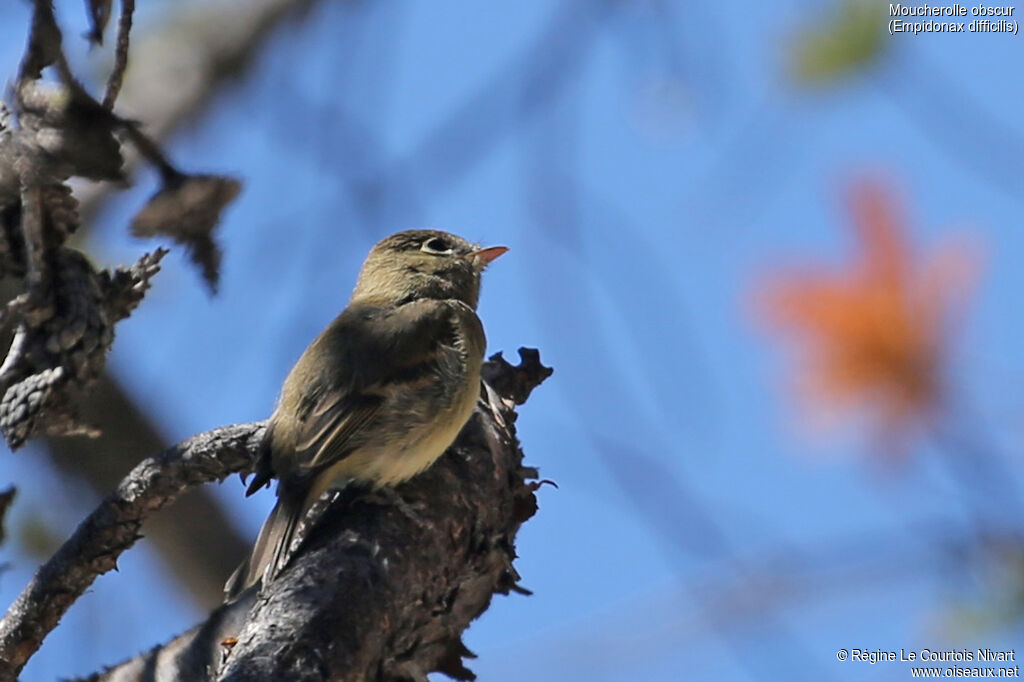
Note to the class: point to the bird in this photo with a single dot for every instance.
(381, 393)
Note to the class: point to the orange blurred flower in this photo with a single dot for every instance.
(875, 333)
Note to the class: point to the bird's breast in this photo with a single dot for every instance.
(421, 423)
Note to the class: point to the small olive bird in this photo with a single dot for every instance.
(381, 393)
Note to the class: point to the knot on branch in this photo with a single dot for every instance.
(515, 382)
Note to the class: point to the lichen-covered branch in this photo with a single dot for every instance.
(112, 528)
(385, 584)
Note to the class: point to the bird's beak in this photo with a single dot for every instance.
(485, 256)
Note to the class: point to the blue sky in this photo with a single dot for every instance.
(657, 163)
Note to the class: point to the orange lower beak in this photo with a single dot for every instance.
(489, 254)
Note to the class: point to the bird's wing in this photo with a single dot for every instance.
(333, 434)
(389, 347)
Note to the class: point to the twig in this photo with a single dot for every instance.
(112, 528)
(44, 46)
(43, 38)
(124, 27)
(212, 56)
(150, 151)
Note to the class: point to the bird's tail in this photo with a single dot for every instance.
(271, 552)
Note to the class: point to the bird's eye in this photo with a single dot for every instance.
(437, 246)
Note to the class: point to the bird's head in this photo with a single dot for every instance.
(418, 264)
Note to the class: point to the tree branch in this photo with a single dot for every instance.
(193, 536)
(385, 584)
(124, 28)
(112, 528)
(214, 58)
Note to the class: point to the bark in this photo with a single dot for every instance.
(385, 591)
(193, 536)
(385, 584)
(112, 528)
(382, 587)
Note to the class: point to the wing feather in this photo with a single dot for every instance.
(374, 350)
